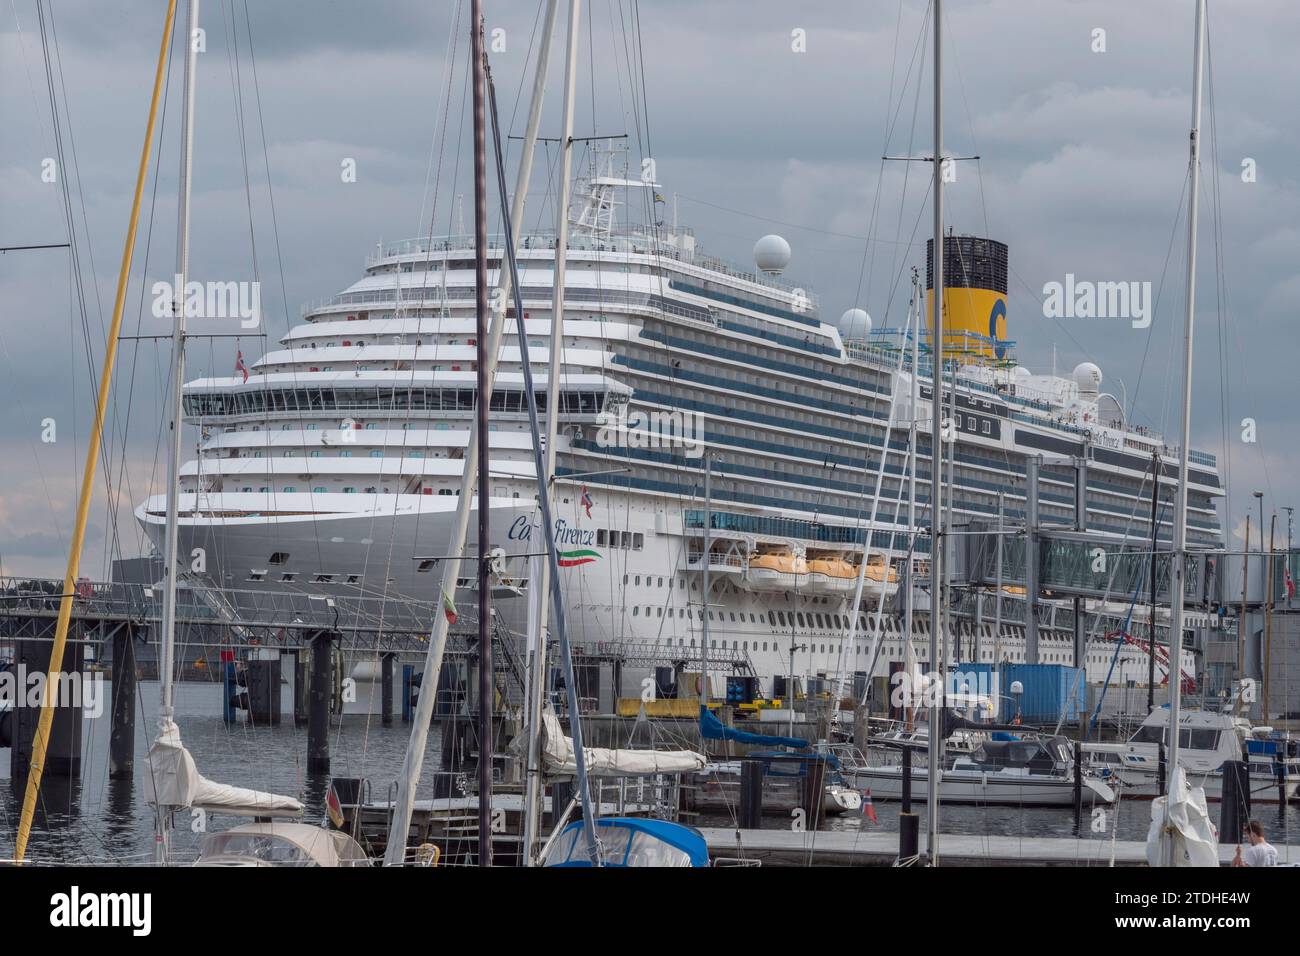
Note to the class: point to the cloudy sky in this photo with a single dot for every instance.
(759, 118)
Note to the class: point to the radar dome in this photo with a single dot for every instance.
(1088, 377)
(1021, 374)
(772, 254)
(855, 324)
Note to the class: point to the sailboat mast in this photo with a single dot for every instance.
(936, 454)
(1177, 570)
(415, 746)
(45, 721)
(704, 611)
(537, 670)
(167, 646)
(914, 402)
(486, 685)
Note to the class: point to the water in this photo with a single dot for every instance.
(108, 821)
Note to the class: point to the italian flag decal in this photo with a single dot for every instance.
(449, 607)
(571, 559)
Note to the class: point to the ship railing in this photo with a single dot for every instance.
(694, 561)
(628, 240)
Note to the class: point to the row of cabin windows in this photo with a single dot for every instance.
(627, 540)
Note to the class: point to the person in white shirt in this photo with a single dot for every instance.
(1260, 852)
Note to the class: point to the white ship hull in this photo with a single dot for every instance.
(615, 596)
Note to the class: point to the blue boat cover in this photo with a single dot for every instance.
(634, 850)
(713, 729)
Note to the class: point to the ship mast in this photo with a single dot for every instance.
(167, 646)
(1177, 569)
(537, 664)
(415, 747)
(936, 458)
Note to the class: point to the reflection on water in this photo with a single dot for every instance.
(101, 820)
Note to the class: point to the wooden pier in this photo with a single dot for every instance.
(877, 848)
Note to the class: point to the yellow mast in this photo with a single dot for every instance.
(88, 473)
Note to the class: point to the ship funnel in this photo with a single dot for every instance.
(974, 298)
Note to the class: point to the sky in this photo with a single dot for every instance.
(761, 116)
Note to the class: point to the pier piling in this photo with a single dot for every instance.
(814, 793)
(386, 665)
(264, 691)
(318, 701)
(121, 739)
(751, 795)
(63, 754)
(1234, 804)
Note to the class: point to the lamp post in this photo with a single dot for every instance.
(789, 689)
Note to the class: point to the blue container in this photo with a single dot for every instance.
(1051, 691)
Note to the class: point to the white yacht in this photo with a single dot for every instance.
(1206, 739)
(332, 466)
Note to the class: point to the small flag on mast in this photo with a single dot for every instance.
(449, 607)
(334, 808)
(1290, 585)
(586, 500)
(239, 364)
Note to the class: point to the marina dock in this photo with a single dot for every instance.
(857, 848)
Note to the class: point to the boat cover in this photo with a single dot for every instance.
(172, 779)
(713, 729)
(1196, 841)
(560, 759)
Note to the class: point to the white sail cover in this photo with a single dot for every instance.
(1196, 841)
(560, 759)
(171, 779)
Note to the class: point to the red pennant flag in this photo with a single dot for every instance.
(239, 364)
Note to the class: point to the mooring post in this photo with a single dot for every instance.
(386, 664)
(63, 754)
(408, 687)
(300, 682)
(318, 702)
(751, 795)
(1078, 785)
(121, 738)
(264, 688)
(1234, 803)
(229, 687)
(814, 792)
(909, 836)
(907, 779)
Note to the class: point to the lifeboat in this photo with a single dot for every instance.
(777, 568)
(830, 572)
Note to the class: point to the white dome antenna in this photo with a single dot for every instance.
(772, 254)
(855, 324)
(1088, 377)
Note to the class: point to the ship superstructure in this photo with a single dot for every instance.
(333, 468)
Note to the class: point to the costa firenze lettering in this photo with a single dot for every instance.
(565, 534)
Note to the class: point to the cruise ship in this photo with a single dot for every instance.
(332, 466)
